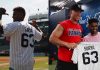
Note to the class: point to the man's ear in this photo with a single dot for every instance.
(70, 13)
(87, 25)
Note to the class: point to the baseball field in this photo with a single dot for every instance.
(41, 63)
(53, 66)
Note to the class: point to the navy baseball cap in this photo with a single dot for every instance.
(76, 7)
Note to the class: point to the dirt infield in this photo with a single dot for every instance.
(4, 59)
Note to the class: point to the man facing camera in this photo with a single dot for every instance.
(94, 35)
(66, 36)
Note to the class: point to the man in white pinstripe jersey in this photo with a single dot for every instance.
(22, 36)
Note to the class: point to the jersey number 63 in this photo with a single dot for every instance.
(87, 59)
(25, 40)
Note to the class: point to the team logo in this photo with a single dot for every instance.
(74, 32)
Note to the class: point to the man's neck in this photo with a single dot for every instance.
(74, 21)
(17, 20)
(94, 34)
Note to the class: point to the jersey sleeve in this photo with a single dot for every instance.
(38, 35)
(10, 28)
(75, 56)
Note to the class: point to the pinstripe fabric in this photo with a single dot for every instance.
(21, 44)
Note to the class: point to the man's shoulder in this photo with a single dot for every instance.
(12, 24)
(30, 26)
(86, 38)
(65, 23)
(25, 24)
(98, 33)
(88, 35)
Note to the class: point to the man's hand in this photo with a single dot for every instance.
(2, 12)
(71, 45)
(34, 23)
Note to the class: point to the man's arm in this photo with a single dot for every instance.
(1, 27)
(38, 35)
(38, 31)
(2, 12)
(8, 29)
(37, 27)
(54, 38)
(34, 23)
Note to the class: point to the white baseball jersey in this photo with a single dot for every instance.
(22, 36)
(87, 55)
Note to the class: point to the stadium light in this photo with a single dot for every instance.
(57, 3)
(77, 0)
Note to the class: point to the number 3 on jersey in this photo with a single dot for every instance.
(86, 58)
(25, 40)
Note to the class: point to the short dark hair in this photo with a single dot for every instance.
(92, 20)
(20, 9)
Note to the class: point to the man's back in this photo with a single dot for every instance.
(22, 37)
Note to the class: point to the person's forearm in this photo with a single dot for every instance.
(58, 42)
(38, 28)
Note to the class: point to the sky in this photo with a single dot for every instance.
(31, 7)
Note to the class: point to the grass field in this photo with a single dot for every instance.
(41, 63)
(52, 67)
